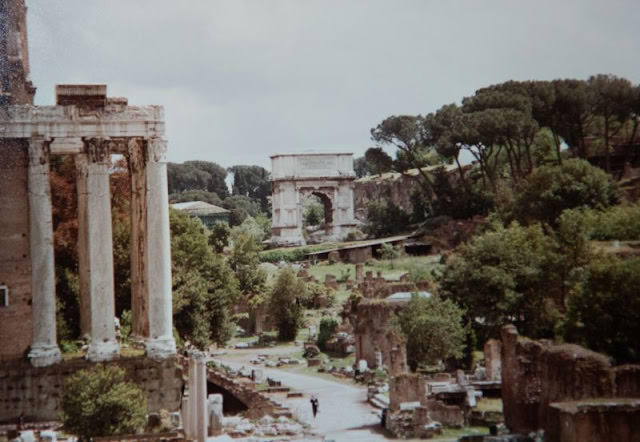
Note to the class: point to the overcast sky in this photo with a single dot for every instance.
(245, 79)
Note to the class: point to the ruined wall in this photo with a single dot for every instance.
(15, 265)
(537, 373)
(373, 334)
(595, 421)
(406, 387)
(378, 287)
(395, 186)
(14, 54)
(36, 392)
(627, 380)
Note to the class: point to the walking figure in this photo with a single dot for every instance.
(314, 405)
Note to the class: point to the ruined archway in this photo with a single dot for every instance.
(329, 177)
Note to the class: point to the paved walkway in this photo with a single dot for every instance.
(344, 414)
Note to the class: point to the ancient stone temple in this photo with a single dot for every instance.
(90, 127)
(328, 176)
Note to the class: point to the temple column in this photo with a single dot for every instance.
(82, 168)
(160, 343)
(139, 286)
(99, 247)
(202, 417)
(44, 349)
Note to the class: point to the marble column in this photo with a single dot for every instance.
(99, 249)
(82, 170)
(44, 349)
(214, 411)
(160, 343)
(202, 419)
(139, 286)
(191, 411)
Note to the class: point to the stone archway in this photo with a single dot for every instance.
(330, 177)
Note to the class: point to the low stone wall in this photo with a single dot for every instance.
(35, 393)
(538, 373)
(448, 415)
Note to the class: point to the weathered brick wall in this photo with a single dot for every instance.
(36, 392)
(627, 381)
(538, 373)
(15, 266)
(616, 420)
(395, 186)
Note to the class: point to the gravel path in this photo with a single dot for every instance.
(344, 414)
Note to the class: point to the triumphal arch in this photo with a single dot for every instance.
(329, 176)
(90, 127)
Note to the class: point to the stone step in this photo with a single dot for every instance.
(378, 402)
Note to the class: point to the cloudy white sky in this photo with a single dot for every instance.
(245, 79)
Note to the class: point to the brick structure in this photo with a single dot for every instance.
(545, 384)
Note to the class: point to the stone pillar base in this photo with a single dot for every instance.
(103, 351)
(44, 355)
(161, 348)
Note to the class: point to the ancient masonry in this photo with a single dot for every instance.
(574, 394)
(330, 177)
(90, 127)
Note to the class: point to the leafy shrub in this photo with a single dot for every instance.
(328, 327)
(618, 222)
(99, 402)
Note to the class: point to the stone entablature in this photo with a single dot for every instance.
(113, 120)
(297, 176)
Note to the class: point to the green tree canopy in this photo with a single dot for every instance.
(378, 160)
(204, 286)
(505, 276)
(551, 189)
(197, 175)
(245, 257)
(241, 207)
(434, 330)
(286, 303)
(604, 309)
(99, 402)
(253, 182)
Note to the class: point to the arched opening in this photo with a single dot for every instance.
(230, 403)
(317, 216)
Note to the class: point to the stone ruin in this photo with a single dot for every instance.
(573, 394)
(296, 176)
(377, 343)
(90, 127)
(422, 403)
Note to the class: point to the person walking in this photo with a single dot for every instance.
(314, 405)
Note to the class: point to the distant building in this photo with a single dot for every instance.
(208, 213)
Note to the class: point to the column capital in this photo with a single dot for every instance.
(39, 151)
(98, 150)
(157, 150)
